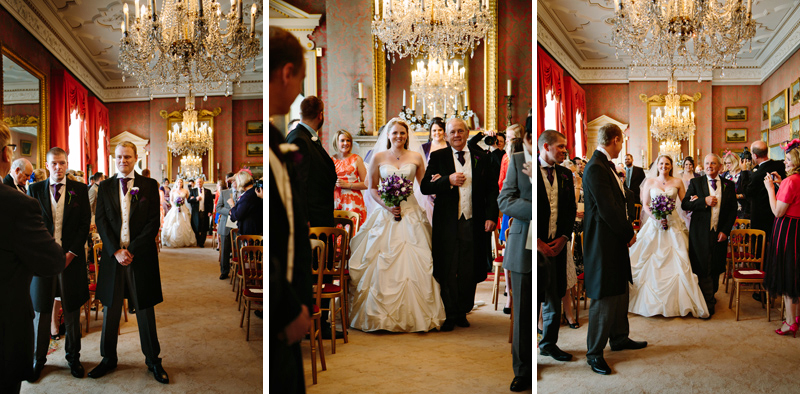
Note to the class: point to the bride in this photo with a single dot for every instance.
(177, 229)
(391, 265)
(663, 282)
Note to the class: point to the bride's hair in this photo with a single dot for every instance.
(671, 163)
(392, 123)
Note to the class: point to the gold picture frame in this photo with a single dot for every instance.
(765, 135)
(736, 135)
(778, 110)
(795, 122)
(765, 111)
(776, 152)
(736, 114)
(795, 92)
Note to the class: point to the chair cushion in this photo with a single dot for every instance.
(235, 259)
(91, 267)
(347, 272)
(249, 293)
(580, 277)
(331, 288)
(739, 275)
(92, 286)
(316, 308)
(499, 259)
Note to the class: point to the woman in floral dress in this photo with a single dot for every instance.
(351, 172)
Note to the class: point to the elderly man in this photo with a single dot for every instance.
(21, 170)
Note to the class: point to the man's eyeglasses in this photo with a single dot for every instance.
(13, 147)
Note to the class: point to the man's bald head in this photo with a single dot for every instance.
(456, 133)
(21, 170)
(760, 152)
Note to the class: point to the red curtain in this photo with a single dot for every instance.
(550, 78)
(98, 118)
(67, 95)
(574, 102)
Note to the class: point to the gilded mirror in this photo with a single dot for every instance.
(174, 118)
(24, 108)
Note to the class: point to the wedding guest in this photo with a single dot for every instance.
(762, 216)
(67, 215)
(741, 177)
(688, 172)
(514, 146)
(556, 210)
(26, 249)
(289, 252)
(781, 273)
(217, 192)
(246, 211)
(202, 204)
(39, 175)
(351, 174)
(516, 201)
(436, 138)
(746, 160)
(93, 186)
(146, 173)
(631, 199)
(21, 170)
(634, 176)
(223, 208)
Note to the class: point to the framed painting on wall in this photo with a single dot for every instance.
(778, 111)
(735, 114)
(257, 169)
(255, 149)
(25, 146)
(776, 152)
(765, 111)
(735, 135)
(795, 122)
(765, 135)
(795, 89)
(255, 127)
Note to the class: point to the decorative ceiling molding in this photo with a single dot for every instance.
(26, 96)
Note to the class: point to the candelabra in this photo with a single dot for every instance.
(508, 108)
(361, 130)
(410, 116)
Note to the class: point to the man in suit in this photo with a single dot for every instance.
(128, 221)
(65, 208)
(316, 173)
(630, 199)
(712, 201)
(557, 210)
(94, 182)
(515, 201)
(607, 237)
(26, 249)
(289, 252)
(21, 170)
(464, 217)
(223, 208)
(202, 202)
(761, 216)
(634, 176)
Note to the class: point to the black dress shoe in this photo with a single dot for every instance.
(37, 371)
(554, 352)
(326, 334)
(599, 365)
(507, 311)
(105, 366)
(259, 314)
(159, 373)
(223, 277)
(448, 325)
(630, 344)
(76, 369)
(520, 383)
(462, 321)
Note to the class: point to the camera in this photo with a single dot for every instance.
(258, 184)
(491, 140)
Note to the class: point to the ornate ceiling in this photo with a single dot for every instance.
(577, 33)
(85, 35)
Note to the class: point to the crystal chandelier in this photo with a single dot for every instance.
(438, 82)
(439, 28)
(671, 149)
(190, 136)
(191, 166)
(675, 124)
(685, 34)
(186, 46)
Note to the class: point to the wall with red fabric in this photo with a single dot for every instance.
(607, 99)
(515, 35)
(21, 109)
(243, 112)
(780, 80)
(735, 96)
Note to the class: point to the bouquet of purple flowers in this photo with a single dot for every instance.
(662, 206)
(394, 190)
(179, 202)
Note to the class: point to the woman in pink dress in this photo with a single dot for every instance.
(351, 172)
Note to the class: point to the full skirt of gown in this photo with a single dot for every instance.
(391, 267)
(176, 231)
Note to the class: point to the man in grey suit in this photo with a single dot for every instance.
(515, 201)
(26, 248)
(223, 208)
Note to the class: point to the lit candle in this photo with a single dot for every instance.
(413, 102)
(153, 8)
(424, 107)
(125, 10)
(434, 108)
(458, 5)
(466, 98)
(404, 97)
(122, 26)
(137, 8)
(217, 166)
(749, 3)
(698, 153)
(456, 112)
(253, 11)
(423, 5)
(508, 87)
(360, 90)
(642, 153)
(616, 5)
(239, 8)
(377, 7)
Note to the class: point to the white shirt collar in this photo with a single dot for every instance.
(544, 163)
(603, 150)
(465, 150)
(63, 181)
(312, 131)
(121, 175)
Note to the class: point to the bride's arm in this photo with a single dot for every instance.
(373, 178)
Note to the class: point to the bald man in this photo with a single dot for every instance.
(761, 216)
(464, 217)
(21, 170)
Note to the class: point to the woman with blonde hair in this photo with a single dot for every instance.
(247, 210)
(351, 174)
(781, 273)
(741, 177)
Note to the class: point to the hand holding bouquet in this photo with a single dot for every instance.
(395, 189)
(662, 206)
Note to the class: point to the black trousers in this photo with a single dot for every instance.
(146, 318)
(201, 228)
(522, 357)
(41, 327)
(551, 310)
(225, 248)
(608, 322)
(458, 287)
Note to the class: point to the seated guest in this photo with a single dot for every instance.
(735, 173)
(246, 212)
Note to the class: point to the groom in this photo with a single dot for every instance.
(464, 216)
(712, 199)
(128, 220)
(607, 266)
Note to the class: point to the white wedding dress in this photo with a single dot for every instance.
(176, 232)
(663, 282)
(391, 267)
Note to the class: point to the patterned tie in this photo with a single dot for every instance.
(714, 184)
(461, 157)
(549, 174)
(57, 194)
(124, 183)
(628, 171)
(22, 188)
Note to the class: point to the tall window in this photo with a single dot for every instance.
(74, 141)
(101, 151)
(578, 135)
(550, 118)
